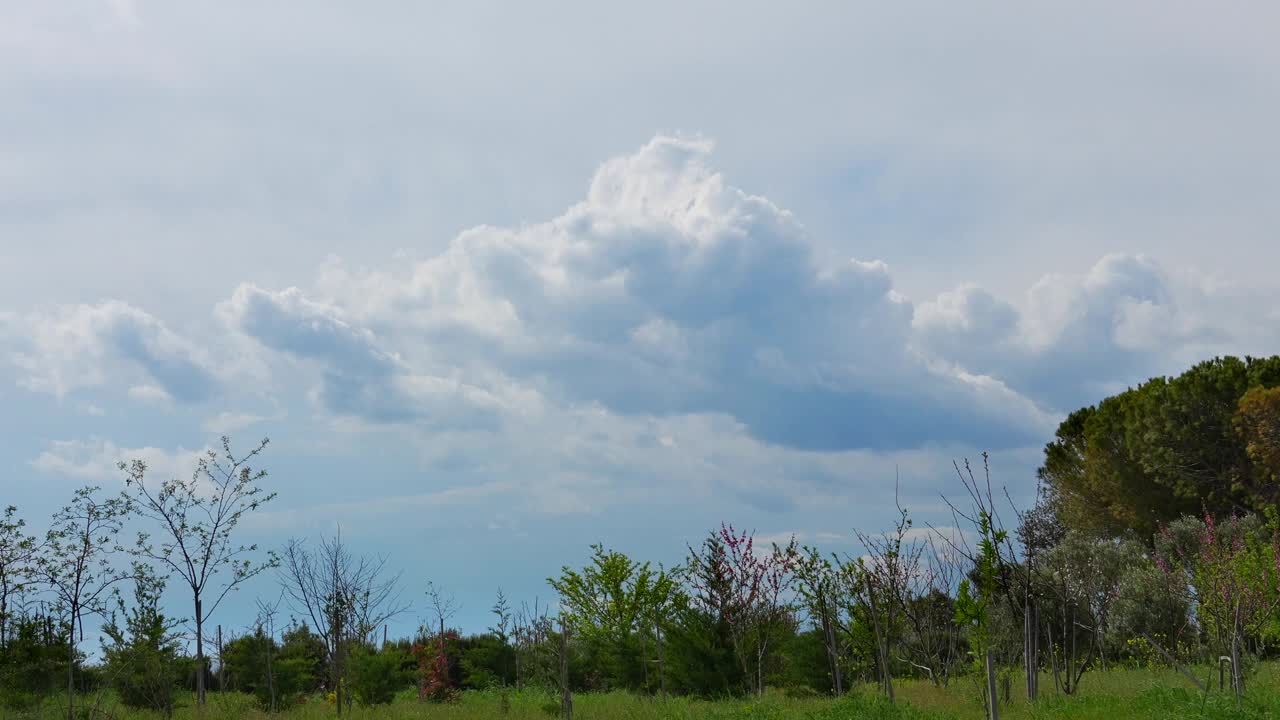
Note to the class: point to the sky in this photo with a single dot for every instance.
(503, 280)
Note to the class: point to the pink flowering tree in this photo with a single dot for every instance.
(1231, 569)
(749, 587)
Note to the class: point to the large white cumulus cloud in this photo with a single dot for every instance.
(666, 291)
(66, 348)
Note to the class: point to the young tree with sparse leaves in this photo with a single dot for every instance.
(197, 519)
(76, 565)
(16, 552)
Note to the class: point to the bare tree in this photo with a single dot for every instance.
(443, 604)
(347, 597)
(531, 628)
(1003, 574)
(197, 519)
(931, 637)
(75, 563)
(502, 630)
(267, 625)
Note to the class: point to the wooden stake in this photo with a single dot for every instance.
(992, 704)
(222, 677)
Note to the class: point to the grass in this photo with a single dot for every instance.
(1115, 695)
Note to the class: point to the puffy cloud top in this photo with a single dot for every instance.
(666, 291)
(80, 346)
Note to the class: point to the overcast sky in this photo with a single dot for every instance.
(501, 280)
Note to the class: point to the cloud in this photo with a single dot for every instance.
(95, 459)
(79, 346)
(666, 291)
(358, 377)
(150, 393)
(225, 423)
(1077, 337)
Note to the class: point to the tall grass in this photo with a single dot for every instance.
(1116, 695)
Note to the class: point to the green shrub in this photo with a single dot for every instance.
(376, 677)
(141, 658)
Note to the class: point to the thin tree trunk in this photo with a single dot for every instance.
(1071, 659)
(644, 664)
(1053, 658)
(1031, 650)
(882, 646)
(888, 672)
(337, 665)
(760, 671)
(71, 678)
(832, 655)
(199, 652)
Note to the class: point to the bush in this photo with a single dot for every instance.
(33, 664)
(141, 658)
(375, 677)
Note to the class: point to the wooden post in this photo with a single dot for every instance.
(993, 701)
(1031, 650)
(222, 677)
(1237, 677)
(384, 636)
(662, 661)
(566, 697)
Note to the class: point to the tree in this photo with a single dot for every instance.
(999, 579)
(612, 603)
(346, 597)
(501, 630)
(445, 606)
(377, 675)
(1257, 421)
(16, 550)
(1167, 448)
(33, 659)
(530, 631)
(198, 518)
(75, 564)
(278, 675)
(748, 590)
(1081, 579)
(818, 584)
(141, 656)
(883, 584)
(1233, 568)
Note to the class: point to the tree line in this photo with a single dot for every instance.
(1154, 539)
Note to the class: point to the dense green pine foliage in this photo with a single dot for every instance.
(1206, 439)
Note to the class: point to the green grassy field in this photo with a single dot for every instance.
(1118, 695)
